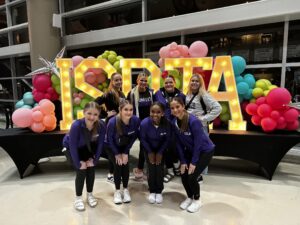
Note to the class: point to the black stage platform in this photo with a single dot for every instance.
(267, 150)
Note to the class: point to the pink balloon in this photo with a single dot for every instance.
(173, 46)
(47, 107)
(261, 100)
(174, 54)
(76, 60)
(96, 71)
(291, 115)
(164, 52)
(281, 123)
(36, 108)
(91, 57)
(37, 127)
(264, 110)
(251, 109)
(184, 50)
(292, 125)
(42, 82)
(22, 117)
(101, 78)
(268, 124)
(81, 95)
(161, 62)
(278, 97)
(37, 116)
(256, 120)
(198, 49)
(90, 77)
(77, 101)
(275, 115)
(49, 120)
(75, 95)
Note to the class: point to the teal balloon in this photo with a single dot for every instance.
(26, 107)
(239, 65)
(19, 104)
(239, 79)
(83, 102)
(28, 93)
(248, 95)
(250, 80)
(28, 100)
(242, 88)
(35, 104)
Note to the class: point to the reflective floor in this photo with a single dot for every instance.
(232, 193)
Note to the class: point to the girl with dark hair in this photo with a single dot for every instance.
(111, 100)
(155, 132)
(85, 143)
(195, 151)
(141, 97)
(164, 96)
(202, 105)
(122, 131)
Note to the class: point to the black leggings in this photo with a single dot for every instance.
(120, 172)
(155, 176)
(141, 160)
(190, 182)
(170, 154)
(81, 175)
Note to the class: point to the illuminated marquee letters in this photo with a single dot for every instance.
(222, 66)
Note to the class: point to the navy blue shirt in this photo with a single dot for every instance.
(76, 140)
(154, 139)
(130, 134)
(164, 98)
(192, 142)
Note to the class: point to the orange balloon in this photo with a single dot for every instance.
(47, 107)
(50, 128)
(37, 116)
(37, 127)
(49, 120)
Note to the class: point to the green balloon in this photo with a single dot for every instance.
(177, 83)
(117, 65)
(174, 73)
(100, 87)
(224, 117)
(120, 57)
(224, 108)
(75, 109)
(105, 84)
(113, 53)
(55, 80)
(111, 58)
(83, 102)
(57, 89)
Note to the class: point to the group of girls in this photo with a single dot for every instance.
(157, 120)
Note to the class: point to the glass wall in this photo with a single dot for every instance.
(292, 82)
(293, 53)
(259, 44)
(78, 4)
(112, 17)
(157, 9)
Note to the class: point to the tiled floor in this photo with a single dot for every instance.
(232, 194)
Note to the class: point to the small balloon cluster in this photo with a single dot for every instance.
(79, 101)
(262, 88)
(38, 119)
(272, 112)
(26, 102)
(113, 58)
(42, 88)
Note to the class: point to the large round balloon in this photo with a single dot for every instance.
(42, 82)
(239, 65)
(22, 117)
(268, 124)
(198, 49)
(278, 98)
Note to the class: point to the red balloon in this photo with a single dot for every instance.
(268, 124)
(50, 90)
(38, 96)
(217, 122)
(251, 109)
(275, 115)
(264, 110)
(278, 97)
(256, 120)
(261, 100)
(281, 123)
(292, 125)
(42, 82)
(291, 115)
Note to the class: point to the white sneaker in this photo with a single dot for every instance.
(151, 198)
(126, 196)
(79, 204)
(92, 201)
(186, 203)
(159, 198)
(118, 197)
(195, 206)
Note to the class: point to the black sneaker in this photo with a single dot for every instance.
(200, 179)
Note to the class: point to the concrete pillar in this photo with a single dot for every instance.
(44, 39)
